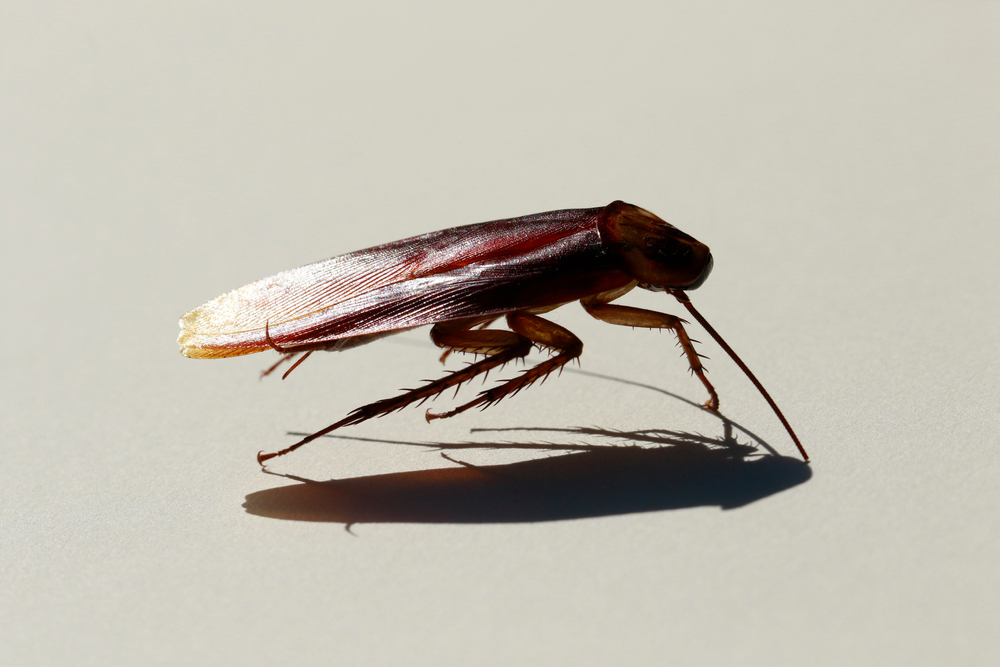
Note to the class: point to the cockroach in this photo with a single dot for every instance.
(461, 280)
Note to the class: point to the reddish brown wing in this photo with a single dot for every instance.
(476, 270)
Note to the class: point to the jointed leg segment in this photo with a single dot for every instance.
(599, 308)
(540, 332)
(501, 347)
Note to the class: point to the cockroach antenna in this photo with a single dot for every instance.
(684, 299)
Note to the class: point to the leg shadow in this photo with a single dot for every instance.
(671, 470)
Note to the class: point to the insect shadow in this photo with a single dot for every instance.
(668, 470)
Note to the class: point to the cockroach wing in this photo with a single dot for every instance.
(477, 270)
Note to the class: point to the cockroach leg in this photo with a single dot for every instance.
(449, 350)
(541, 332)
(599, 308)
(296, 365)
(270, 341)
(682, 296)
(500, 346)
(285, 357)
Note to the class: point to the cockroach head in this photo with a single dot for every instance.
(653, 251)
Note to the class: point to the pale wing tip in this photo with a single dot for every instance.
(194, 352)
(185, 339)
(193, 348)
(195, 345)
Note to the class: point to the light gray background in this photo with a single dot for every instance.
(842, 163)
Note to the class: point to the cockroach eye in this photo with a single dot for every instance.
(709, 263)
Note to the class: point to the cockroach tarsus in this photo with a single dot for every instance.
(460, 281)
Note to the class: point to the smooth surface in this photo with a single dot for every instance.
(842, 163)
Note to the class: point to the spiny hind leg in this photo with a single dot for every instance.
(444, 328)
(500, 347)
(599, 308)
(540, 332)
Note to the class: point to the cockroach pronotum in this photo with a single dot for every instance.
(461, 280)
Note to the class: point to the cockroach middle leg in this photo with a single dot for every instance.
(461, 325)
(500, 347)
(541, 332)
(599, 308)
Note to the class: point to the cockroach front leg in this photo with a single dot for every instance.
(599, 308)
(541, 332)
(500, 347)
